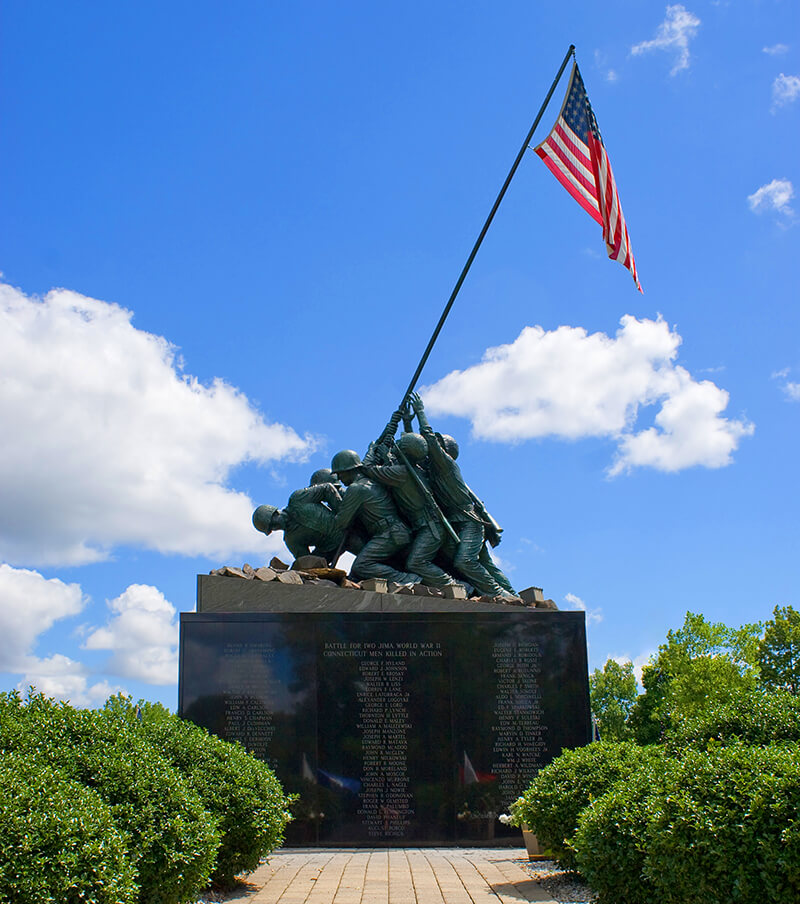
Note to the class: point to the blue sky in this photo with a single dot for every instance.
(228, 230)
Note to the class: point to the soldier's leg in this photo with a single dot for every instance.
(296, 543)
(466, 562)
(371, 562)
(424, 547)
(492, 567)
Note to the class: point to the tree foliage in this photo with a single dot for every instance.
(612, 693)
(701, 664)
(778, 652)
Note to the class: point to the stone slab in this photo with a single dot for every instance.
(407, 720)
(229, 594)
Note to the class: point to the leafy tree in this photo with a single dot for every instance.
(702, 663)
(779, 651)
(612, 693)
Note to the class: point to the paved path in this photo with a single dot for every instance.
(409, 876)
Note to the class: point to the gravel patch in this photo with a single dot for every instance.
(560, 884)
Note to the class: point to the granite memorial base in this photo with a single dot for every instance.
(396, 719)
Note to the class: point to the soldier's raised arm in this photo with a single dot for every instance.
(391, 428)
(435, 449)
(321, 492)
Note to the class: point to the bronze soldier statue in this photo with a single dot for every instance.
(464, 511)
(407, 482)
(308, 521)
(369, 505)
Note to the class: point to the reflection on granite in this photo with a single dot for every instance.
(396, 718)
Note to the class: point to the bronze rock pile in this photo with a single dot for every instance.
(315, 570)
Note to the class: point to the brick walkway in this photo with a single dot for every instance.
(411, 876)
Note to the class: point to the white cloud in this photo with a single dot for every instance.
(674, 34)
(345, 562)
(65, 679)
(689, 430)
(143, 635)
(30, 605)
(785, 90)
(593, 616)
(775, 195)
(113, 444)
(775, 49)
(790, 389)
(601, 62)
(639, 662)
(570, 384)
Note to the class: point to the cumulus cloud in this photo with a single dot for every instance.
(776, 49)
(673, 35)
(569, 384)
(775, 195)
(65, 679)
(785, 90)
(108, 442)
(142, 633)
(639, 662)
(30, 605)
(593, 616)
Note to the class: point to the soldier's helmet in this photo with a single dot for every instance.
(346, 460)
(450, 445)
(323, 475)
(262, 518)
(413, 446)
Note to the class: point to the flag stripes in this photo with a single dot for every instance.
(575, 154)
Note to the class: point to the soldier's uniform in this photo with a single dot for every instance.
(370, 505)
(311, 521)
(458, 505)
(426, 527)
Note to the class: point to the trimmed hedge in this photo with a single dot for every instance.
(610, 839)
(125, 805)
(172, 840)
(58, 840)
(753, 717)
(555, 799)
(715, 827)
(240, 791)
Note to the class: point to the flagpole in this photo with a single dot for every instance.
(492, 212)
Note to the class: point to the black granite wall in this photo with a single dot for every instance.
(394, 727)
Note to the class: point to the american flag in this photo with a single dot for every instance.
(575, 155)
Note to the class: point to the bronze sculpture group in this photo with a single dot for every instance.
(404, 511)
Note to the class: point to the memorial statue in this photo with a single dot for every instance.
(309, 520)
(464, 511)
(405, 512)
(398, 466)
(369, 505)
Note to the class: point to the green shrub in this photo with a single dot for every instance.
(555, 799)
(611, 838)
(58, 841)
(241, 791)
(727, 830)
(172, 839)
(754, 717)
(714, 827)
